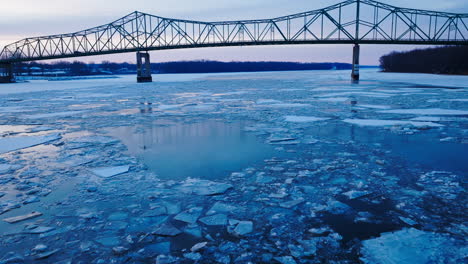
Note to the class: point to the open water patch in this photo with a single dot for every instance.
(209, 149)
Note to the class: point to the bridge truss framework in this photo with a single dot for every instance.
(349, 22)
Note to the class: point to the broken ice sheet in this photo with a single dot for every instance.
(379, 122)
(9, 144)
(106, 172)
(413, 246)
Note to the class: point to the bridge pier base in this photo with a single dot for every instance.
(143, 67)
(6, 73)
(355, 65)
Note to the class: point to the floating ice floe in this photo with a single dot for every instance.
(412, 246)
(379, 122)
(15, 143)
(375, 106)
(110, 171)
(51, 115)
(427, 111)
(335, 99)
(303, 119)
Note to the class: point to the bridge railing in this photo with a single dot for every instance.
(351, 21)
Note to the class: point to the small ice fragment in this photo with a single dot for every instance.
(243, 228)
(39, 230)
(198, 246)
(408, 221)
(110, 171)
(189, 216)
(46, 254)
(20, 218)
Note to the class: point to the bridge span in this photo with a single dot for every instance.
(349, 22)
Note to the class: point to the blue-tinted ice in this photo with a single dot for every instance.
(284, 167)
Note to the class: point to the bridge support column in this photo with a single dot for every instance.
(143, 67)
(6, 73)
(355, 65)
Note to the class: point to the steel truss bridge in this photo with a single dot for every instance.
(349, 22)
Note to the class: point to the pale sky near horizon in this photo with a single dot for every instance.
(28, 18)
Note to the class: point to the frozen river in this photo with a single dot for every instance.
(283, 167)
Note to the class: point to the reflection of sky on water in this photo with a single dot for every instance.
(209, 149)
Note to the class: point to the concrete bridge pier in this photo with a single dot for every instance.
(143, 67)
(6, 73)
(355, 65)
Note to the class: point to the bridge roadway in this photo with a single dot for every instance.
(350, 22)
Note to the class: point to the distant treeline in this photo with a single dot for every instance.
(440, 60)
(202, 66)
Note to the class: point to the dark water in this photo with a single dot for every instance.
(207, 150)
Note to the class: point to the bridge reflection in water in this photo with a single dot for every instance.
(349, 22)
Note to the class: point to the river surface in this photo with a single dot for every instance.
(271, 167)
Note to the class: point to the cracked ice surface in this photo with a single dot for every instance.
(284, 167)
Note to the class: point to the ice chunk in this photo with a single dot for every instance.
(219, 207)
(427, 111)
(303, 119)
(411, 246)
(110, 171)
(198, 246)
(15, 143)
(243, 228)
(189, 216)
(166, 230)
(353, 194)
(214, 220)
(380, 122)
(20, 218)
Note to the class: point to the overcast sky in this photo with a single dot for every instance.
(27, 18)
